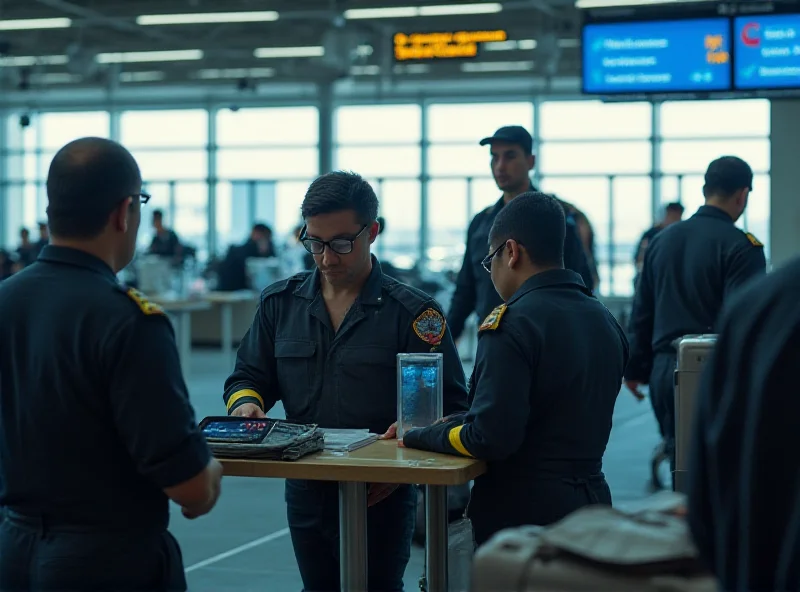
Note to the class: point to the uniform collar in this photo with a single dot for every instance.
(77, 258)
(714, 212)
(501, 202)
(548, 279)
(370, 293)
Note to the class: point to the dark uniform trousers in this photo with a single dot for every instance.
(36, 554)
(543, 498)
(313, 512)
(662, 395)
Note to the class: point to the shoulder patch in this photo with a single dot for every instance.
(492, 322)
(430, 326)
(753, 240)
(147, 307)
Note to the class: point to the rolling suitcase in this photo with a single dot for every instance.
(597, 549)
(693, 354)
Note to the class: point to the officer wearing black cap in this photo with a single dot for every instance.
(97, 433)
(547, 375)
(690, 269)
(512, 162)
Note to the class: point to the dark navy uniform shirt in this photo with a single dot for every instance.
(345, 378)
(689, 269)
(95, 419)
(474, 289)
(547, 373)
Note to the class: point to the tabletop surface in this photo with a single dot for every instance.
(380, 462)
(180, 304)
(230, 297)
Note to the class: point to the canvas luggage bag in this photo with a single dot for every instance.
(644, 548)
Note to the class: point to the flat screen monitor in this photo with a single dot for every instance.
(767, 52)
(675, 56)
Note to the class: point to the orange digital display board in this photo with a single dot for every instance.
(436, 46)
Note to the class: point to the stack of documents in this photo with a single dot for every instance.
(347, 440)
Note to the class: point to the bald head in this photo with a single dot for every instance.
(88, 179)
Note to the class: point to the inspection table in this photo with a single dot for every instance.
(380, 462)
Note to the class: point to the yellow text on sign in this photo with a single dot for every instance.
(427, 46)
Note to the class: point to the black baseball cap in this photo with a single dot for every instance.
(727, 175)
(513, 134)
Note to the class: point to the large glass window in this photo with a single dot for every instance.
(58, 129)
(469, 123)
(595, 158)
(272, 151)
(714, 119)
(594, 120)
(631, 215)
(448, 219)
(378, 124)
(694, 156)
(400, 206)
(591, 196)
(167, 129)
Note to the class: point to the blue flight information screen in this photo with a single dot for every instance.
(767, 51)
(657, 56)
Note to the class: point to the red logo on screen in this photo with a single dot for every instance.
(750, 35)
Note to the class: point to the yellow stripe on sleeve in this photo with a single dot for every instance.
(455, 441)
(241, 395)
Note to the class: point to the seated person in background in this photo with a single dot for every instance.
(233, 269)
(325, 343)
(27, 250)
(744, 495)
(548, 370)
(44, 237)
(165, 241)
(6, 265)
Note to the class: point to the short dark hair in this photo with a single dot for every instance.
(158, 214)
(727, 175)
(341, 190)
(674, 207)
(537, 221)
(88, 178)
(261, 227)
(381, 224)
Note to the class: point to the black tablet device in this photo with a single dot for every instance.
(238, 430)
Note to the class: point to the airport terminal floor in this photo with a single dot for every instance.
(244, 543)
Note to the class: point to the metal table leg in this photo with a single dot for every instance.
(353, 536)
(226, 329)
(436, 537)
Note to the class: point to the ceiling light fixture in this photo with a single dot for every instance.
(413, 11)
(312, 51)
(207, 17)
(47, 60)
(181, 55)
(497, 66)
(622, 3)
(32, 24)
(521, 44)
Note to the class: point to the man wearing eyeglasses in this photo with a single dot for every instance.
(547, 374)
(325, 343)
(96, 429)
(512, 160)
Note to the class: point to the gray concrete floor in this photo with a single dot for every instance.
(243, 544)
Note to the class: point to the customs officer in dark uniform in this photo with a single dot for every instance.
(512, 162)
(690, 268)
(744, 512)
(548, 371)
(325, 343)
(96, 429)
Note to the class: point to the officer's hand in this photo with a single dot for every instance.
(634, 386)
(250, 410)
(379, 492)
(390, 434)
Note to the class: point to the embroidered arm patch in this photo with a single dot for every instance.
(753, 240)
(147, 307)
(492, 322)
(430, 326)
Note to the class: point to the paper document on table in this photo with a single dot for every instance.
(347, 440)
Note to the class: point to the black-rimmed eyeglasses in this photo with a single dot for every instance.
(487, 261)
(143, 196)
(341, 246)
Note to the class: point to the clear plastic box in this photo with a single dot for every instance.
(419, 391)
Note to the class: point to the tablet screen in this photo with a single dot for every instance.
(244, 430)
